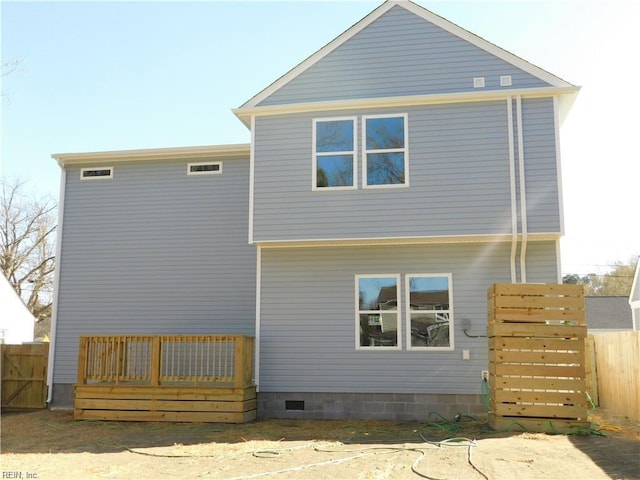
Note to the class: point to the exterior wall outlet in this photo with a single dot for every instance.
(485, 375)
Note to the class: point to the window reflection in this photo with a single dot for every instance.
(429, 307)
(385, 133)
(334, 136)
(385, 168)
(378, 316)
(334, 171)
(334, 153)
(385, 150)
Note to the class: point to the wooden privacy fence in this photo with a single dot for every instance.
(537, 357)
(618, 372)
(24, 376)
(166, 377)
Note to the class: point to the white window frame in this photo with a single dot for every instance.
(101, 177)
(404, 150)
(408, 311)
(209, 172)
(316, 154)
(395, 348)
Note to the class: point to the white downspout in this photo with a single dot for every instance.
(56, 285)
(523, 195)
(556, 121)
(251, 176)
(256, 349)
(512, 183)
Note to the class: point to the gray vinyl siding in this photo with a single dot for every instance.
(541, 168)
(307, 333)
(154, 251)
(399, 54)
(458, 174)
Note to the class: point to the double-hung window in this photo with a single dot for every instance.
(334, 153)
(429, 311)
(385, 156)
(378, 311)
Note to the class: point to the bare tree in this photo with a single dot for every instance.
(27, 243)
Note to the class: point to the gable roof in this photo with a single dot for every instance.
(423, 13)
(608, 313)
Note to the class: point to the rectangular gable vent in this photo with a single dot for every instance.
(96, 173)
(478, 82)
(204, 168)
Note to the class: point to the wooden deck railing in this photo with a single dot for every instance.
(155, 360)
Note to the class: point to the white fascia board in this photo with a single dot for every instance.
(427, 15)
(244, 114)
(337, 242)
(150, 154)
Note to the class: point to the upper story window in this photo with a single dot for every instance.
(385, 157)
(378, 311)
(96, 173)
(204, 168)
(334, 153)
(429, 312)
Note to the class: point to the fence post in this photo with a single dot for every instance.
(82, 360)
(239, 361)
(155, 360)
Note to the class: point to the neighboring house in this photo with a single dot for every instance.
(608, 314)
(634, 298)
(407, 159)
(16, 321)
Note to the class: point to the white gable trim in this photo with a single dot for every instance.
(426, 15)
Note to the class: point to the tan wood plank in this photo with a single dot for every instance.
(547, 358)
(532, 301)
(575, 371)
(164, 405)
(536, 331)
(545, 411)
(165, 393)
(213, 417)
(572, 398)
(542, 425)
(536, 289)
(523, 315)
(549, 384)
(575, 344)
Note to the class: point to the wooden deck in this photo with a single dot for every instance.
(183, 378)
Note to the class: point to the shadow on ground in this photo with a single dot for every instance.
(49, 431)
(617, 451)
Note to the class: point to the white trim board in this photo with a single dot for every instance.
(331, 242)
(567, 94)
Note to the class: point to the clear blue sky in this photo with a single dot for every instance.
(114, 75)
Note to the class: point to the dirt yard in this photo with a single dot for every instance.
(51, 445)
